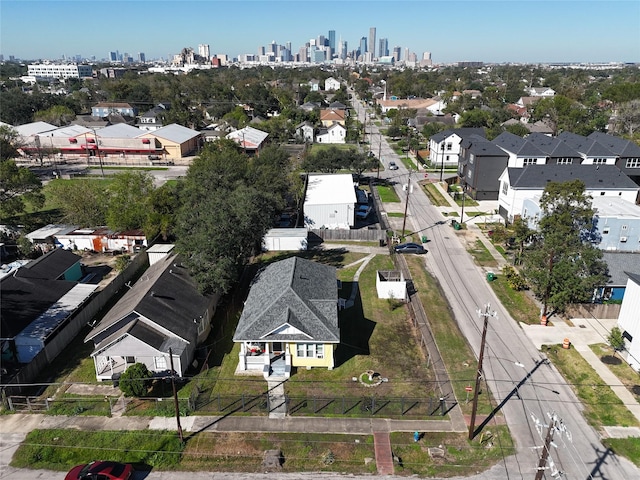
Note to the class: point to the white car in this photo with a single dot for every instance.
(393, 166)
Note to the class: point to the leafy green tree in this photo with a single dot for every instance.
(517, 129)
(164, 203)
(58, 115)
(627, 120)
(561, 266)
(475, 118)
(128, 204)
(136, 380)
(17, 186)
(616, 340)
(83, 202)
(229, 202)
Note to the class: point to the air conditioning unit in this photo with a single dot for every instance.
(623, 239)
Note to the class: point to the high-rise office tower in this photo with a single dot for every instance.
(141, 57)
(203, 51)
(383, 47)
(396, 53)
(332, 41)
(372, 41)
(363, 46)
(274, 47)
(261, 50)
(406, 54)
(343, 49)
(113, 56)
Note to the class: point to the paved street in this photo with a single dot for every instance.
(526, 394)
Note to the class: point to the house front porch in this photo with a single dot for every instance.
(272, 359)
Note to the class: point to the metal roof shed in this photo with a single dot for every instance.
(330, 201)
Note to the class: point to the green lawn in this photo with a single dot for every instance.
(387, 194)
(602, 406)
(629, 377)
(456, 353)
(435, 197)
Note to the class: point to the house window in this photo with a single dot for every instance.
(565, 161)
(605, 231)
(623, 239)
(624, 227)
(633, 163)
(130, 360)
(599, 161)
(626, 335)
(160, 362)
(602, 194)
(504, 188)
(528, 161)
(472, 157)
(310, 350)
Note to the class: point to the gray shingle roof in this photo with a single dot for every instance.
(518, 145)
(166, 295)
(617, 145)
(620, 264)
(593, 176)
(295, 292)
(552, 147)
(461, 132)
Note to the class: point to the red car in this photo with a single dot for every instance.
(101, 471)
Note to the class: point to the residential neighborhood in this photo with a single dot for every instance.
(270, 273)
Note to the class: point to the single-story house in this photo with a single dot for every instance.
(162, 316)
(330, 201)
(618, 263)
(37, 301)
(290, 319)
(250, 139)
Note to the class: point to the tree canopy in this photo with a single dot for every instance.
(561, 266)
(228, 203)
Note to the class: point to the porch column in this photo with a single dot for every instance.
(242, 356)
(267, 354)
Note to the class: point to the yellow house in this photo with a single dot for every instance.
(290, 319)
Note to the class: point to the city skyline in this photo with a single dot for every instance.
(527, 31)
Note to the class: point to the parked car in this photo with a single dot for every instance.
(100, 470)
(409, 248)
(362, 197)
(363, 211)
(393, 166)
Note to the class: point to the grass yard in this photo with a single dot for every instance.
(435, 196)
(627, 447)
(517, 302)
(375, 336)
(621, 369)
(459, 459)
(387, 194)
(60, 449)
(481, 255)
(602, 406)
(456, 353)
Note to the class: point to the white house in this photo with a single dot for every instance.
(331, 84)
(518, 184)
(542, 92)
(330, 201)
(629, 321)
(305, 131)
(445, 146)
(336, 133)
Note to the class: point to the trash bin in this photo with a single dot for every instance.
(491, 276)
(424, 239)
(457, 226)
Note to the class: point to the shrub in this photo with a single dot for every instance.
(122, 262)
(514, 279)
(136, 380)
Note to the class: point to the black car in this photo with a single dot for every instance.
(409, 248)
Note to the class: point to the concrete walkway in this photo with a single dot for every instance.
(384, 456)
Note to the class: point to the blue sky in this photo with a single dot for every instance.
(474, 30)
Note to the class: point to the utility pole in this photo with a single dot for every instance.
(554, 426)
(441, 160)
(175, 397)
(406, 205)
(486, 314)
(379, 151)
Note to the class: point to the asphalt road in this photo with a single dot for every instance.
(525, 386)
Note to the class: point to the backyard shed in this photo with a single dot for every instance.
(330, 201)
(280, 239)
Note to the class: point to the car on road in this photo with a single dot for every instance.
(393, 166)
(101, 470)
(409, 248)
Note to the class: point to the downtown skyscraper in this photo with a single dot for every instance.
(372, 42)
